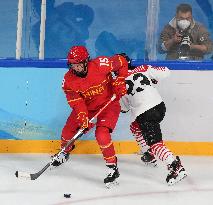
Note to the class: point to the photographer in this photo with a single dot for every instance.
(183, 38)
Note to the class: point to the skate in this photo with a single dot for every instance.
(177, 172)
(149, 159)
(57, 160)
(113, 174)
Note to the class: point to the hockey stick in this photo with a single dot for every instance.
(80, 132)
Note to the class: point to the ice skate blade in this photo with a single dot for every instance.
(148, 164)
(138, 153)
(180, 177)
(111, 184)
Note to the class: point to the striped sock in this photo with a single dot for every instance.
(162, 152)
(137, 133)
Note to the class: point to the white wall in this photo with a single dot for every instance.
(189, 100)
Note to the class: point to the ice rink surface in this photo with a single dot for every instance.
(82, 177)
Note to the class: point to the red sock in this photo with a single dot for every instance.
(64, 142)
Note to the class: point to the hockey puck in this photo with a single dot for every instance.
(16, 174)
(67, 195)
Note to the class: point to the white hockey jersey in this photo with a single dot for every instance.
(141, 94)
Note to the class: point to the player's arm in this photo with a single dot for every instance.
(124, 102)
(119, 65)
(158, 72)
(116, 63)
(77, 103)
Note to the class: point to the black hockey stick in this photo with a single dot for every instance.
(80, 132)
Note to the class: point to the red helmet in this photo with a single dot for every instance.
(77, 54)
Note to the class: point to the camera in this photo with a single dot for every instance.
(184, 46)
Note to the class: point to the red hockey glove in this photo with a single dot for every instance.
(84, 122)
(119, 87)
(90, 126)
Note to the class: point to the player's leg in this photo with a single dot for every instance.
(104, 140)
(68, 132)
(150, 124)
(106, 123)
(137, 133)
(147, 156)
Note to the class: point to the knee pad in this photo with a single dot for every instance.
(102, 135)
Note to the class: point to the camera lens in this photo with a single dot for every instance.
(184, 47)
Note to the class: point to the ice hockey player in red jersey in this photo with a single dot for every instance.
(88, 86)
(147, 111)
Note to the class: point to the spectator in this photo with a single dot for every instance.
(184, 38)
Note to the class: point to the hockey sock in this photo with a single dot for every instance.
(64, 142)
(137, 133)
(103, 138)
(162, 152)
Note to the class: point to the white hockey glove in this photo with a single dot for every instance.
(57, 160)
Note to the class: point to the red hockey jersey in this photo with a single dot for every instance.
(93, 91)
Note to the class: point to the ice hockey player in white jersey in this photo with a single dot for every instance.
(147, 111)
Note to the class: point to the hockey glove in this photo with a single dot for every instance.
(90, 126)
(59, 159)
(84, 122)
(119, 87)
(128, 59)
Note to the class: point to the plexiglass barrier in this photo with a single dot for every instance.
(105, 27)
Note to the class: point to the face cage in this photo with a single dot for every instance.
(81, 74)
(84, 62)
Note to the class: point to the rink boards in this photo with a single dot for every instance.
(91, 147)
(33, 110)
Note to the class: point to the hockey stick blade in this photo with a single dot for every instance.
(25, 175)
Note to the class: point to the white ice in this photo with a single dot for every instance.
(83, 175)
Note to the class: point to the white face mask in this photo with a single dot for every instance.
(183, 24)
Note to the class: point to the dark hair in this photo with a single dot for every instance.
(184, 8)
